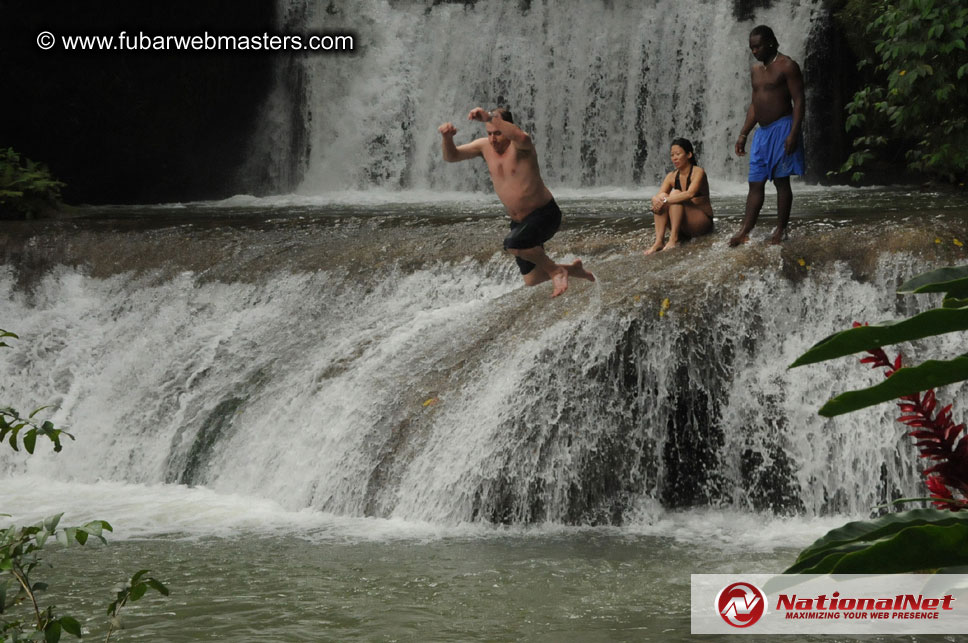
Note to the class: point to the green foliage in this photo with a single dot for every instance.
(905, 381)
(916, 91)
(917, 540)
(20, 549)
(19, 556)
(923, 539)
(951, 317)
(12, 425)
(863, 338)
(131, 591)
(25, 186)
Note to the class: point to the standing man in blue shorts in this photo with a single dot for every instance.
(535, 217)
(777, 150)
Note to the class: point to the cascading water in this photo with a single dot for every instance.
(602, 86)
(392, 365)
(282, 362)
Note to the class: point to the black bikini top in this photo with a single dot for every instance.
(689, 176)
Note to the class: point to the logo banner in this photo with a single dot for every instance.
(829, 604)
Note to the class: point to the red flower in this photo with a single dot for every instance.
(938, 438)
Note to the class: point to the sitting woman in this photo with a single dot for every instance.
(682, 203)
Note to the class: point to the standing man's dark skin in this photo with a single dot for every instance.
(777, 92)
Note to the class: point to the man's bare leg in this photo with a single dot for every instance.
(557, 274)
(784, 204)
(576, 269)
(754, 203)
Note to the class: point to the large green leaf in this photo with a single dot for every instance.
(914, 549)
(71, 625)
(936, 321)
(952, 280)
(906, 381)
(866, 531)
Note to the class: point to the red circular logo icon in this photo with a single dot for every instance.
(741, 604)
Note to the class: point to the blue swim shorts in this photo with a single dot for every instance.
(767, 159)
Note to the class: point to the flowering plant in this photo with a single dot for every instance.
(919, 539)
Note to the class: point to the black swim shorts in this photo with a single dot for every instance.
(533, 231)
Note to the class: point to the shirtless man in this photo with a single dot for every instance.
(535, 217)
(777, 150)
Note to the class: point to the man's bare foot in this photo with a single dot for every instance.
(672, 244)
(778, 237)
(655, 248)
(738, 239)
(577, 270)
(559, 279)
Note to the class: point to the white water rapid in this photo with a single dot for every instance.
(433, 386)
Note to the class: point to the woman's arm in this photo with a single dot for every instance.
(663, 193)
(695, 183)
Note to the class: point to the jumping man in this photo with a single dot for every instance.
(777, 150)
(535, 217)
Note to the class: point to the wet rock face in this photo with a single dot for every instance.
(746, 9)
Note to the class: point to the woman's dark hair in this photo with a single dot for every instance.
(687, 147)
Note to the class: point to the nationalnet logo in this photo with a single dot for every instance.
(741, 604)
(829, 604)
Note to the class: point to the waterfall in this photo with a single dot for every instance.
(602, 86)
(283, 363)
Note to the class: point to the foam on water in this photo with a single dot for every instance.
(378, 196)
(138, 511)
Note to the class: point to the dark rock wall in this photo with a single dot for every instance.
(134, 126)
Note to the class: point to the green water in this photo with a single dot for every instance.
(584, 585)
(573, 586)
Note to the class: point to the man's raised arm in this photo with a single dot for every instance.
(517, 136)
(453, 153)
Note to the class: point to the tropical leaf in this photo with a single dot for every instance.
(906, 381)
(954, 302)
(936, 321)
(952, 280)
(862, 533)
(921, 548)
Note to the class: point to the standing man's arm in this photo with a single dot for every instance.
(517, 136)
(453, 153)
(744, 133)
(795, 87)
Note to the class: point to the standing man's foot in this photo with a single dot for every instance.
(655, 248)
(578, 270)
(559, 279)
(738, 239)
(672, 244)
(778, 237)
